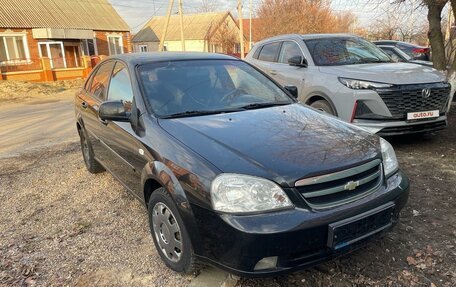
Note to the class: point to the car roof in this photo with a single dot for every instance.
(394, 42)
(150, 57)
(308, 36)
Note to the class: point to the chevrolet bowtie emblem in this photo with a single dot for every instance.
(351, 185)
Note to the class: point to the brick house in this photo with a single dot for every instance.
(62, 30)
(203, 32)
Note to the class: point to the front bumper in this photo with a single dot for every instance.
(394, 128)
(298, 237)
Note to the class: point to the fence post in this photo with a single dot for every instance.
(47, 70)
(87, 64)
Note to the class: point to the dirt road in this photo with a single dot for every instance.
(36, 125)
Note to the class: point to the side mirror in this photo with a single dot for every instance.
(298, 61)
(114, 111)
(293, 90)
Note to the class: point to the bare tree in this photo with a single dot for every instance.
(226, 37)
(207, 6)
(301, 16)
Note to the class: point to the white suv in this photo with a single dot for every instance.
(351, 78)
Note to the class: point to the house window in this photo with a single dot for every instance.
(115, 45)
(143, 48)
(13, 48)
(89, 47)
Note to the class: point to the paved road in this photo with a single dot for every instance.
(29, 126)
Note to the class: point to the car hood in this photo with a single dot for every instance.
(391, 73)
(283, 143)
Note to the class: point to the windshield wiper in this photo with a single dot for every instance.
(198, 113)
(370, 60)
(263, 105)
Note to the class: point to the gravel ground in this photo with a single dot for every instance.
(61, 226)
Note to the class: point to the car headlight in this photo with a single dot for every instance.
(390, 164)
(362, 85)
(236, 193)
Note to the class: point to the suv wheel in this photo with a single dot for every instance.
(92, 165)
(323, 106)
(170, 236)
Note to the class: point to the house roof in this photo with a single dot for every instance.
(246, 28)
(61, 14)
(196, 27)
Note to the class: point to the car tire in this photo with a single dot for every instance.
(92, 165)
(170, 236)
(323, 106)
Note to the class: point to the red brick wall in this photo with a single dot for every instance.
(102, 41)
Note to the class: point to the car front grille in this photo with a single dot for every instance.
(341, 187)
(403, 99)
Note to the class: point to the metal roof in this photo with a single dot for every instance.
(196, 27)
(61, 14)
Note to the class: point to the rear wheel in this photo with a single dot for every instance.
(92, 165)
(323, 106)
(169, 233)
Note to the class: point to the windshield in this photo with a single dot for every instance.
(197, 87)
(345, 51)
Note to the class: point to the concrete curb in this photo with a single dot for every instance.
(212, 277)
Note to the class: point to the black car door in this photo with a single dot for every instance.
(125, 149)
(90, 99)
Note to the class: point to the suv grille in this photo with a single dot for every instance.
(341, 187)
(408, 98)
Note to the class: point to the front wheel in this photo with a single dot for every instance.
(323, 106)
(170, 236)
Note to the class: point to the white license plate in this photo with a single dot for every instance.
(423, 115)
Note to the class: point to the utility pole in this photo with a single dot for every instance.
(181, 16)
(250, 28)
(165, 26)
(241, 27)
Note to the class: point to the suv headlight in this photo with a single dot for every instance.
(236, 193)
(390, 164)
(362, 85)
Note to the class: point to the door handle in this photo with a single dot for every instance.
(105, 122)
(273, 72)
(84, 105)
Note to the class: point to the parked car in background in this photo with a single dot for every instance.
(232, 169)
(349, 77)
(414, 51)
(398, 56)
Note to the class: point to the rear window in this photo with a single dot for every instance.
(269, 52)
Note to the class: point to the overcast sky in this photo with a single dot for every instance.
(137, 12)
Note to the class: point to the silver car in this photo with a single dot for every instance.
(349, 77)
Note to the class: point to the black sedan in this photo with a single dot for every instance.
(233, 171)
(414, 51)
(398, 56)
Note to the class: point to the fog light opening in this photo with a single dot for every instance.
(266, 263)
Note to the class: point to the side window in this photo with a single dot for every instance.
(257, 53)
(120, 86)
(288, 50)
(269, 52)
(88, 82)
(100, 80)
